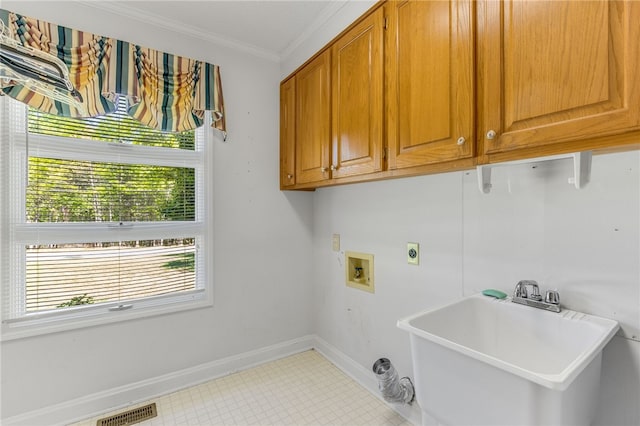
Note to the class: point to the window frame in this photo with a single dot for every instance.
(14, 230)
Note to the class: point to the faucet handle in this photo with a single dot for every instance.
(552, 297)
(521, 290)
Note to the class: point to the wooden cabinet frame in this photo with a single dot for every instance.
(561, 87)
(584, 96)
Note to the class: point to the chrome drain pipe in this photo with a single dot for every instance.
(393, 389)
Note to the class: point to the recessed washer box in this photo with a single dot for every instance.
(359, 271)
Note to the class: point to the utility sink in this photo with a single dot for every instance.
(487, 361)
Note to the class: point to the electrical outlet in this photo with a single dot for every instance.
(413, 253)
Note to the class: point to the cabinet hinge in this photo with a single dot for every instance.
(386, 23)
(384, 153)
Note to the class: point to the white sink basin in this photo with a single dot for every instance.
(486, 361)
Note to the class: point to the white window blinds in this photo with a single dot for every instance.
(107, 215)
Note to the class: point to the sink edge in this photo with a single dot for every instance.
(559, 381)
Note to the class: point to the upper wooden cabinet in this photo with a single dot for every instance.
(357, 101)
(288, 133)
(444, 85)
(338, 108)
(555, 73)
(313, 120)
(430, 82)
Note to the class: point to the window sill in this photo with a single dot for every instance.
(97, 317)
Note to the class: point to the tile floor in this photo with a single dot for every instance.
(302, 389)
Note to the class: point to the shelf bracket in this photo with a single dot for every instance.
(581, 169)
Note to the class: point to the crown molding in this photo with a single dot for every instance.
(325, 15)
(119, 8)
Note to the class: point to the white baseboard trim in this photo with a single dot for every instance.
(134, 393)
(125, 396)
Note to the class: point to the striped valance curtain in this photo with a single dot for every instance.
(164, 91)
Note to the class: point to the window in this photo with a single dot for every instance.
(102, 219)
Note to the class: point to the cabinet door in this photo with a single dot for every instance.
(430, 82)
(313, 120)
(288, 133)
(556, 71)
(357, 83)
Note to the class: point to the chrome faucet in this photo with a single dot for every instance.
(521, 295)
(521, 290)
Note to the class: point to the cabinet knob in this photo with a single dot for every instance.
(289, 176)
(333, 168)
(461, 140)
(323, 169)
(491, 134)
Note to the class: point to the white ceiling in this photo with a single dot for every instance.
(267, 28)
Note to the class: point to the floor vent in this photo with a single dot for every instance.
(130, 417)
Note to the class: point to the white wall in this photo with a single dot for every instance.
(533, 225)
(262, 246)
